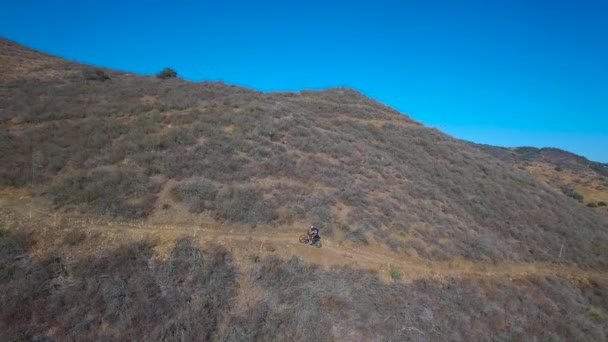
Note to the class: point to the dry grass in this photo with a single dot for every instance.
(563, 171)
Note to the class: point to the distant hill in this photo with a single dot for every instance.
(569, 173)
(178, 203)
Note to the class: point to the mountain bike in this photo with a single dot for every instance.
(306, 239)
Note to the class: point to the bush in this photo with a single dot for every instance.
(167, 73)
(199, 189)
(95, 74)
(195, 193)
(601, 204)
(74, 237)
(244, 205)
(592, 205)
(357, 236)
(573, 194)
(115, 193)
(186, 137)
(594, 314)
(559, 169)
(395, 275)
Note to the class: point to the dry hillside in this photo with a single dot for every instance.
(138, 206)
(573, 175)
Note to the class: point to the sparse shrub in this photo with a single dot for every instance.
(3, 233)
(601, 204)
(244, 205)
(397, 245)
(217, 160)
(573, 194)
(186, 136)
(141, 142)
(595, 314)
(167, 73)
(559, 168)
(74, 237)
(395, 274)
(296, 210)
(95, 74)
(354, 195)
(198, 189)
(115, 193)
(152, 170)
(275, 136)
(592, 205)
(197, 193)
(357, 236)
(321, 215)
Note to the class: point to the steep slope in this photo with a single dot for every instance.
(138, 146)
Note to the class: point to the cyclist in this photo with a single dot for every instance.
(314, 234)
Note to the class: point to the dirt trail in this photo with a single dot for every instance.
(247, 245)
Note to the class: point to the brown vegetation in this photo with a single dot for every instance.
(575, 176)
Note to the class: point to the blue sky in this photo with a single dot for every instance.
(507, 73)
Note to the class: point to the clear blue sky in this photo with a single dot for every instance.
(507, 73)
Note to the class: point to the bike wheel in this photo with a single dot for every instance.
(318, 244)
(304, 239)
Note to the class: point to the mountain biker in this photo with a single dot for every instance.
(314, 234)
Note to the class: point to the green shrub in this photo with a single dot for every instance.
(275, 136)
(559, 169)
(601, 204)
(594, 314)
(592, 205)
(167, 73)
(344, 227)
(395, 274)
(2, 233)
(95, 74)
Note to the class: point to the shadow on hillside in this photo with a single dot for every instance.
(121, 293)
(125, 293)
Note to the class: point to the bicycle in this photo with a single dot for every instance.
(306, 239)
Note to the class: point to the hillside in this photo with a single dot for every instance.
(164, 187)
(566, 172)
